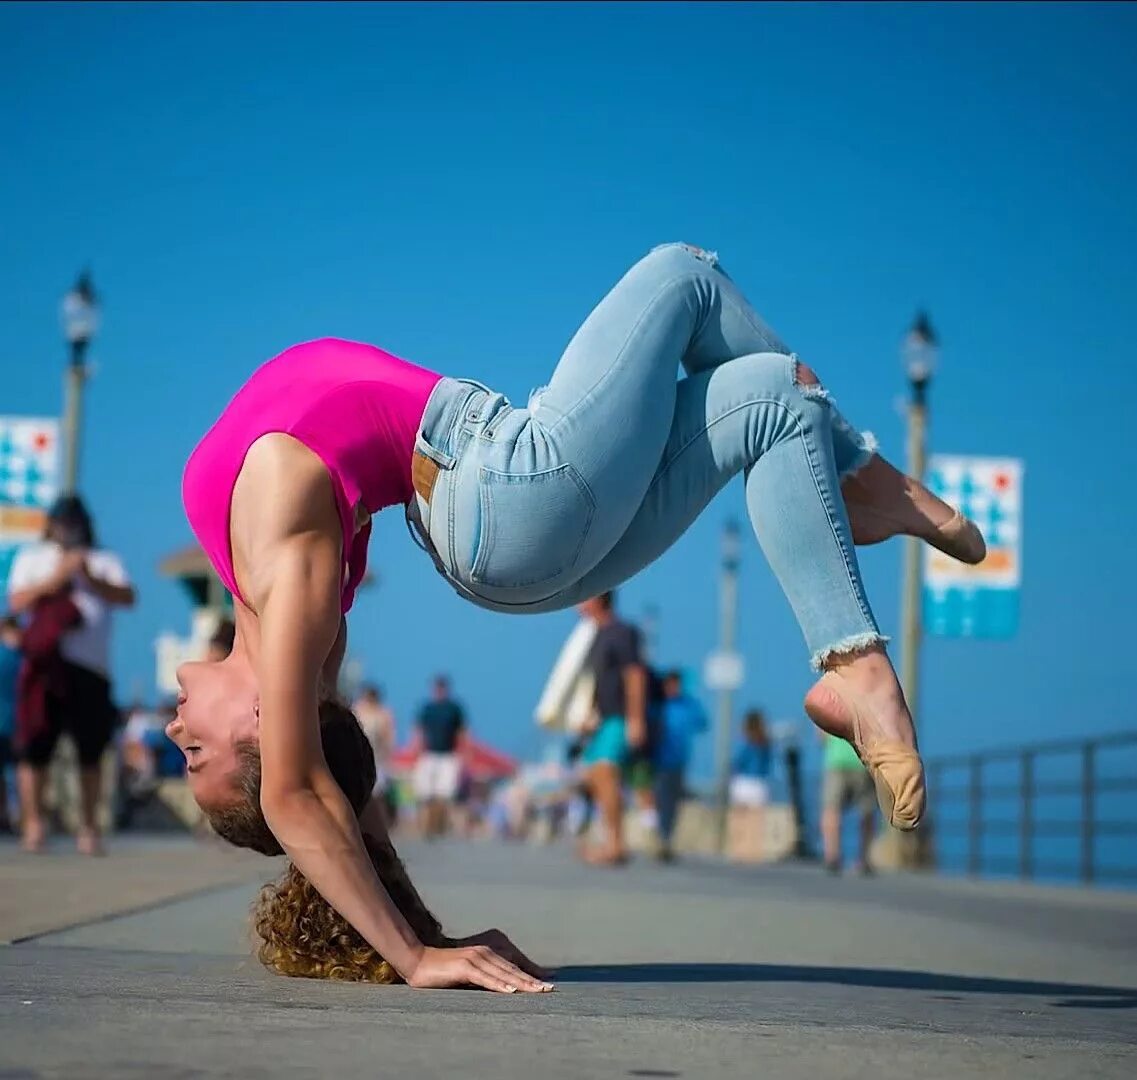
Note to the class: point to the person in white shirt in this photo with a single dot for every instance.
(69, 560)
(378, 723)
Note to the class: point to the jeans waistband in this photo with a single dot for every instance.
(455, 412)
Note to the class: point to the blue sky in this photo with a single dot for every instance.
(459, 184)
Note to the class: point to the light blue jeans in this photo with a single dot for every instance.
(536, 509)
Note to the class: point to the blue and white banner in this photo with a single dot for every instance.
(29, 482)
(977, 601)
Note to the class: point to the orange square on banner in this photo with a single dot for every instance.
(26, 521)
(998, 559)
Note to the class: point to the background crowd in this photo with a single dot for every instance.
(629, 762)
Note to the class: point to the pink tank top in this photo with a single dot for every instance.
(355, 406)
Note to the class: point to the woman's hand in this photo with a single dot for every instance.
(497, 940)
(477, 964)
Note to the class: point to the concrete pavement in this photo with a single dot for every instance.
(42, 893)
(697, 970)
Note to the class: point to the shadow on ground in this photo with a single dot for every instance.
(1074, 995)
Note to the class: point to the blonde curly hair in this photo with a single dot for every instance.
(300, 933)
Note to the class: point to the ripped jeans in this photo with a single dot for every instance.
(535, 509)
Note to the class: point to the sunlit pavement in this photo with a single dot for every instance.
(693, 970)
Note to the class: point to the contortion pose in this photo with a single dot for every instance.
(523, 510)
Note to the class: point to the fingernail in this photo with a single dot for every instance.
(511, 989)
(548, 986)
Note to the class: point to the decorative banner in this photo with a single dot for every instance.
(29, 482)
(977, 601)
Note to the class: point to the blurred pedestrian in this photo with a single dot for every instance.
(620, 721)
(10, 659)
(73, 695)
(378, 723)
(438, 771)
(750, 779)
(846, 784)
(681, 718)
(141, 746)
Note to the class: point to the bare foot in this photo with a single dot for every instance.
(33, 838)
(88, 842)
(883, 715)
(601, 856)
(882, 502)
(859, 700)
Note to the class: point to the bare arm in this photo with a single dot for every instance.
(116, 595)
(330, 675)
(22, 600)
(635, 703)
(302, 803)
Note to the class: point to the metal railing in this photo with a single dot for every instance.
(1060, 810)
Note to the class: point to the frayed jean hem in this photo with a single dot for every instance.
(851, 644)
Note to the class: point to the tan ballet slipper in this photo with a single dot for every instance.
(896, 770)
(880, 504)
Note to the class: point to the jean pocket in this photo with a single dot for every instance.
(532, 528)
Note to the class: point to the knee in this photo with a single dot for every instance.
(807, 384)
(681, 253)
(805, 376)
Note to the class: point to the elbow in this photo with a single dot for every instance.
(282, 805)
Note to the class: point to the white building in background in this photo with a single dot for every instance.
(210, 604)
(173, 649)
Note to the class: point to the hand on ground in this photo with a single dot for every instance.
(474, 966)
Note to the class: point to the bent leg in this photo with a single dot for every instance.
(751, 416)
(608, 406)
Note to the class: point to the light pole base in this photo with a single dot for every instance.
(896, 850)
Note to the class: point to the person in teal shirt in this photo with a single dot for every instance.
(846, 784)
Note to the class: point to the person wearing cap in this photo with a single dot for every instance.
(69, 562)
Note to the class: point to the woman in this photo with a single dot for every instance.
(73, 696)
(523, 511)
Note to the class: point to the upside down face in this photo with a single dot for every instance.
(217, 710)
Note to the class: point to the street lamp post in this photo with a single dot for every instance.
(919, 351)
(651, 633)
(80, 321)
(728, 618)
